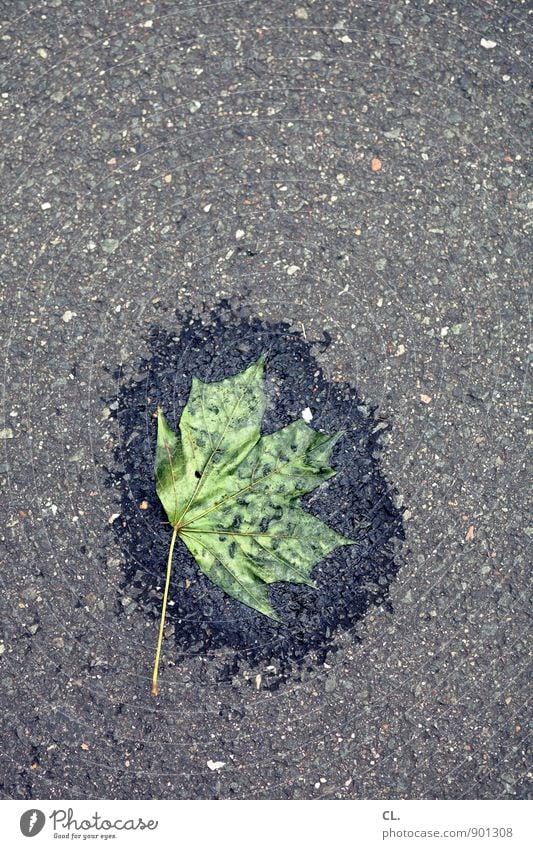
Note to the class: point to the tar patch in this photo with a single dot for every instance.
(358, 502)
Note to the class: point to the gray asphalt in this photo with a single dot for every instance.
(355, 167)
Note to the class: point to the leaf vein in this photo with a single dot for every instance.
(206, 470)
(227, 568)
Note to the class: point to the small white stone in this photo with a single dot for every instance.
(307, 415)
(68, 315)
(341, 179)
(194, 106)
(292, 269)
(345, 39)
(301, 13)
(113, 518)
(487, 43)
(239, 234)
(148, 24)
(46, 205)
(207, 207)
(53, 509)
(216, 764)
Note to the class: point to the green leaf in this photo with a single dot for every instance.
(232, 495)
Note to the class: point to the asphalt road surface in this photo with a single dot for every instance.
(356, 170)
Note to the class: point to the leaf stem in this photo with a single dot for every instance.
(155, 690)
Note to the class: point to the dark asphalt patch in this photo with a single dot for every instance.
(358, 502)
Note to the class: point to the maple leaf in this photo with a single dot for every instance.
(232, 495)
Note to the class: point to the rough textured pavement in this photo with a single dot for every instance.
(355, 168)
